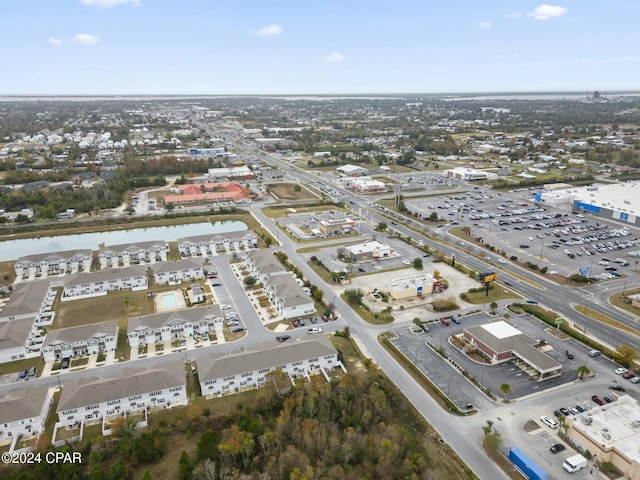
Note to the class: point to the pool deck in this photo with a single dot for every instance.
(180, 301)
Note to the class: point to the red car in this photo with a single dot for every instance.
(628, 375)
(598, 400)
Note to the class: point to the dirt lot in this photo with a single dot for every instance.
(458, 283)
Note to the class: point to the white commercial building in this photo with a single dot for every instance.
(226, 374)
(368, 251)
(352, 171)
(470, 174)
(91, 399)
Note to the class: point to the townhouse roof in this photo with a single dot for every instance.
(23, 404)
(159, 320)
(81, 333)
(26, 298)
(105, 274)
(54, 256)
(184, 264)
(210, 368)
(216, 236)
(14, 333)
(130, 381)
(133, 246)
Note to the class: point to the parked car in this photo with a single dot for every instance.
(569, 355)
(607, 399)
(65, 363)
(455, 320)
(294, 322)
(283, 338)
(32, 371)
(565, 411)
(558, 413)
(635, 380)
(361, 270)
(627, 375)
(597, 400)
(216, 284)
(445, 321)
(594, 353)
(224, 306)
(579, 408)
(23, 374)
(550, 422)
(617, 388)
(558, 447)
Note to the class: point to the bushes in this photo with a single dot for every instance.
(444, 305)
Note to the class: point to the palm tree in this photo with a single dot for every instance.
(493, 307)
(505, 389)
(583, 371)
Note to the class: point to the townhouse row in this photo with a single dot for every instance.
(138, 389)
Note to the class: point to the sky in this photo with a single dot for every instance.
(251, 47)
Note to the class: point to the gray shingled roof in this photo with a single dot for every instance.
(105, 274)
(184, 264)
(127, 246)
(82, 332)
(55, 256)
(22, 404)
(26, 298)
(130, 381)
(159, 320)
(280, 354)
(14, 333)
(207, 238)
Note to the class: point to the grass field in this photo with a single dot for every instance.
(287, 191)
(284, 211)
(496, 294)
(7, 273)
(100, 309)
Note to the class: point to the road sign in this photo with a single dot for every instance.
(559, 321)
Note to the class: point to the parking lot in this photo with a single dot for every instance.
(457, 387)
(563, 241)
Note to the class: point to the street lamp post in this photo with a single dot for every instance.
(624, 287)
(542, 248)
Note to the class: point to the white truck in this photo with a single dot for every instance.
(574, 463)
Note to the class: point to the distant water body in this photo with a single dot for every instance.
(14, 249)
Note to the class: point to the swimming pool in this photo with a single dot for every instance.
(169, 300)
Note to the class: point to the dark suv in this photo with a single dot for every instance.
(283, 338)
(617, 388)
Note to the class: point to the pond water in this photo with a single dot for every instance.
(14, 249)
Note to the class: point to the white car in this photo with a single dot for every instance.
(315, 330)
(378, 267)
(550, 422)
(225, 307)
(620, 371)
(501, 260)
(406, 262)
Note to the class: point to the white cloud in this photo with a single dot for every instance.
(626, 59)
(85, 39)
(485, 24)
(269, 30)
(54, 42)
(546, 12)
(510, 16)
(109, 3)
(335, 57)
